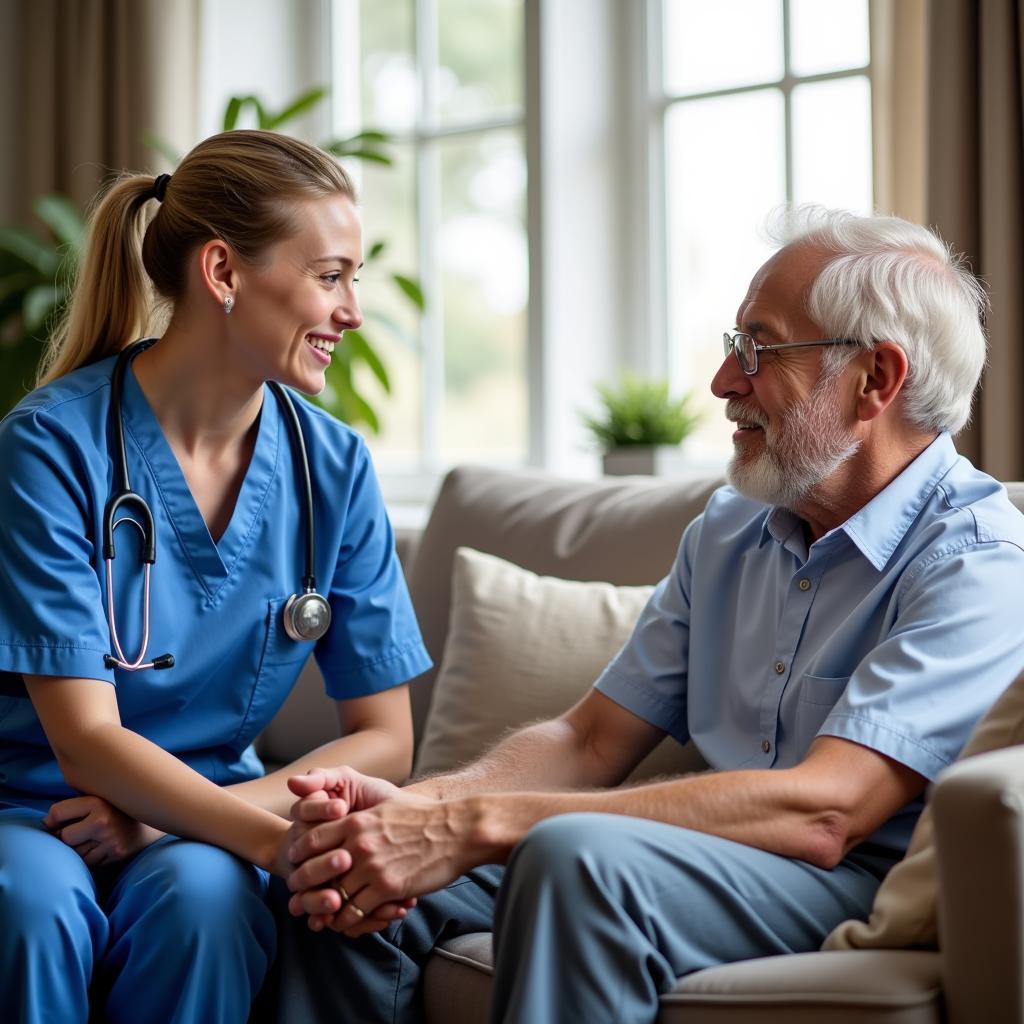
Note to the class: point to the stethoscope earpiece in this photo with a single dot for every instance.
(307, 616)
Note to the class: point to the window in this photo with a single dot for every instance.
(445, 79)
(756, 102)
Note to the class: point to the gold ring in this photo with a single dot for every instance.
(359, 913)
(336, 884)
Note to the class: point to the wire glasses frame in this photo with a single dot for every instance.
(745, 349)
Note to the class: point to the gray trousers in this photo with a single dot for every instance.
(596, 915)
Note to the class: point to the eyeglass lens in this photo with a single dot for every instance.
(743, 347)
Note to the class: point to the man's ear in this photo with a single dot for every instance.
(883, 371)
(217, 269)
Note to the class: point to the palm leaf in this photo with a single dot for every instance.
(28, 248)
(39, 303)
(61, 216)
(411, 290)
(362, 349)
(299, 106)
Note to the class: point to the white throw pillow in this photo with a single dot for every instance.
(520, 648)
(904, 911)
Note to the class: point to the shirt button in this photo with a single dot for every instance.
(766, 746)
(805, 584)
(780, 667)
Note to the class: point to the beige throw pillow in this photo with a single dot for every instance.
(904, 912)
(520, 647)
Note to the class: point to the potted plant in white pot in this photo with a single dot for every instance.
(641, 426)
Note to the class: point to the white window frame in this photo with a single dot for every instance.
(424, 140)
(657, 104)
(595, 221)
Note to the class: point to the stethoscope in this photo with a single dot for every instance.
(307, 616)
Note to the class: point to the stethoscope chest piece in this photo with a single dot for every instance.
(307, 616)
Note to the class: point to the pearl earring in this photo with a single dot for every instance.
(229, 304)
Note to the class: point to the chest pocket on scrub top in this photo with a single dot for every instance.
(817, 696)
(280, 663)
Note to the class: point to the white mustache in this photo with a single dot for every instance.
(737, 412)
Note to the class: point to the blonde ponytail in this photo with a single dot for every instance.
(112, 300)
(237, 186)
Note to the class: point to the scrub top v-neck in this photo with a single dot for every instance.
(216, 606)
(211, 561)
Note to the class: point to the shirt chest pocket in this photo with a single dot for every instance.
(280, 663)
(817, 696)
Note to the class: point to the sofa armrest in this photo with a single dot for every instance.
(978, 806)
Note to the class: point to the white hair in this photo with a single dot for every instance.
(886, 279)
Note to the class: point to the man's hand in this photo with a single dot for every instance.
(383, 857)
(98, 832)
(328, 795)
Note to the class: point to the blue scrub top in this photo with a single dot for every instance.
(217, 607)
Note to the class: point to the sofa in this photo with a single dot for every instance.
(624, 532)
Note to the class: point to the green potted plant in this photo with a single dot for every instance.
(35, 271)
(641, 426)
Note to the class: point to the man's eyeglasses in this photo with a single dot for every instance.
(745, 349)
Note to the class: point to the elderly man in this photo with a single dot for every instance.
(835, 623)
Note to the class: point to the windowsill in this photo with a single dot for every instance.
(408, 515)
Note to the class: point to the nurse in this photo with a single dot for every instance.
(137, 828)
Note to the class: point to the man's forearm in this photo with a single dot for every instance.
(547, 756)
(771, 810)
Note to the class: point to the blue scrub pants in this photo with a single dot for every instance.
(179, 933)
(596, 916)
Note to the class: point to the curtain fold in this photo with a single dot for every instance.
(97, 77)
(899, 74)
(973, 196)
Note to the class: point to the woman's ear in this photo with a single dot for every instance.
(883, 373)
(217, 269)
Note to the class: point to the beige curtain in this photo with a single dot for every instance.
(975, 184)
(949, 151)
(92, 78)
(899, 64)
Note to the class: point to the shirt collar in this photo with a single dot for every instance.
(877, 528)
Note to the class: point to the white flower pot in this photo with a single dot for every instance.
(645, 460)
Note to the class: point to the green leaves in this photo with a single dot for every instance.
(411, 290)
(639, 411)
(368, 145)
(61, 216)
(30, 251)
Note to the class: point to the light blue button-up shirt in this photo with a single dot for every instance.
(896, 630)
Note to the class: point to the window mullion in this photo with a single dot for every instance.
(428, 206)
(787, 101)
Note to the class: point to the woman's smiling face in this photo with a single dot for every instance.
(292, 309)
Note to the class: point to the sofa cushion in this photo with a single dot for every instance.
(904, 911)
(522, 647)
(842, 988)
(623, 531)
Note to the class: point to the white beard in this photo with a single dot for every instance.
(802, 449)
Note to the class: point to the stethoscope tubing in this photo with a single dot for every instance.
(125, 496)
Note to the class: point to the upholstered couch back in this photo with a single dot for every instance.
(622, 530)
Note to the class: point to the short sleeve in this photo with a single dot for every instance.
(649, 675)
(53, 620)
(954, 647)
(374, 641)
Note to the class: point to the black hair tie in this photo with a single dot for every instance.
(160, 187)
